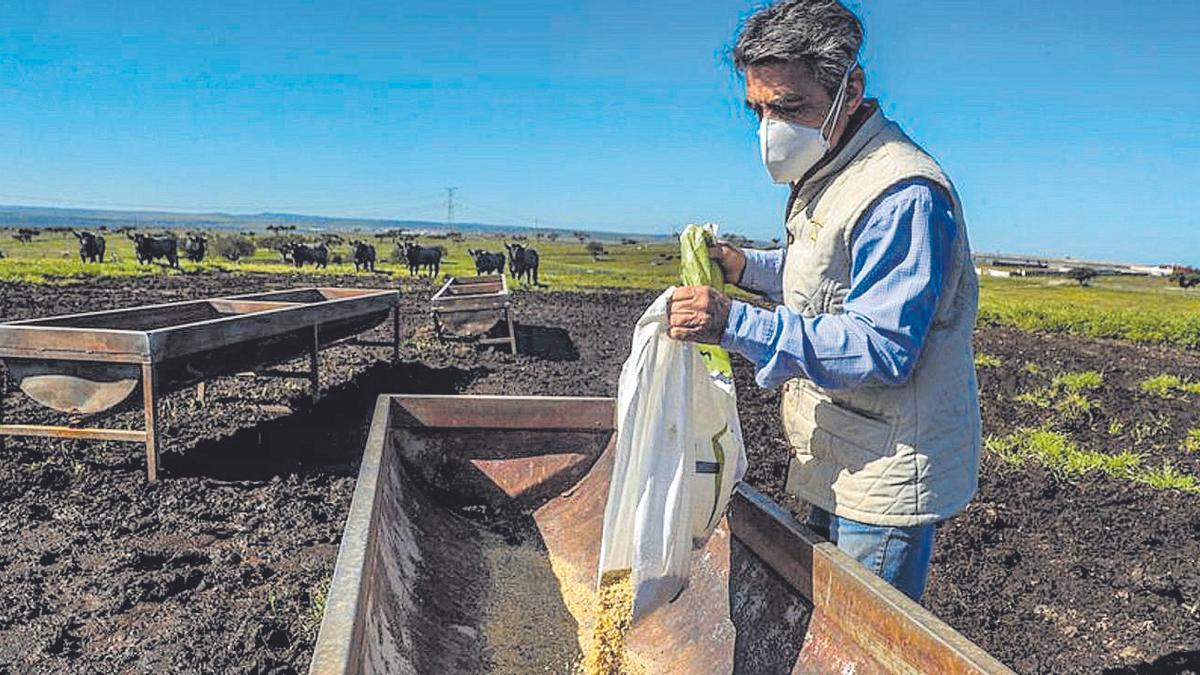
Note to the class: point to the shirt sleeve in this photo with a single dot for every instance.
(900, 250)
(763, 273)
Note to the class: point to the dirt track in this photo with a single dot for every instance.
(212, 568)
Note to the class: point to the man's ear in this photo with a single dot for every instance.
(856, 88)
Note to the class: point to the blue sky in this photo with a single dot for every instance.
(1069, 127)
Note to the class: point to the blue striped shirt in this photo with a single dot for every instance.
(900, 250)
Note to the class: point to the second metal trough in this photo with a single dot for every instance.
(83, 364)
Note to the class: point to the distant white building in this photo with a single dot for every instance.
(1153, 270)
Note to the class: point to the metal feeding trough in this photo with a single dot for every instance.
(472, 545)
(471, 307)
(87, 363)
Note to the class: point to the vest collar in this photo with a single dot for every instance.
(845, 153)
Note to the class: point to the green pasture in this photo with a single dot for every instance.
(566, 264)
(1137, 309)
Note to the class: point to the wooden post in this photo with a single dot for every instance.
(314, 365)
(200, 392)
(150, 407)
(395, 333)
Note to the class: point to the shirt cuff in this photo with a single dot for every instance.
(762, 271)
(749, 331)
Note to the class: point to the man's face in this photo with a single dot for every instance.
(790, 92)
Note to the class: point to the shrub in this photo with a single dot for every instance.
(234, 247)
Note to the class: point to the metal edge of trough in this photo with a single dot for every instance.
(333, 652)
(796, 553)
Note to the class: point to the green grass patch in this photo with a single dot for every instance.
(1057, 453)
(1087, 380)
(1191, 442)
(1066, 460)
(1167, 385)
(987, 361)
(1066, 394)
(310, 618)
(1168, 477)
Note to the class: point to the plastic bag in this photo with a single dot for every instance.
(679, 453)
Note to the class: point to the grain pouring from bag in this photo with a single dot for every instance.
(605, 654)
(678, 455)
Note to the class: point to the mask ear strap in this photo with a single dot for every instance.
(838, 101)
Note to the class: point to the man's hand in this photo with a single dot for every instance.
(730, 259)
(698, 314)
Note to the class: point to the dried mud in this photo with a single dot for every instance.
(216, 568)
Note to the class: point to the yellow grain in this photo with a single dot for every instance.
(605, 654)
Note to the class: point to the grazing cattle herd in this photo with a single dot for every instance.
(302, 254)
(423, 257)
(195, 247)
(149, 248)
(522, 260)
(364, 256)
(523, 263)
(487, 262)
(91, 247)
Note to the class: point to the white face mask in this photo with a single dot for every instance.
(789, 150)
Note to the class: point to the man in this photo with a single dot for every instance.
(872, 344)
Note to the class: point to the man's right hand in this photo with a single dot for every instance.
(730, 259)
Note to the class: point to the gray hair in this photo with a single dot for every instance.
(822, 34)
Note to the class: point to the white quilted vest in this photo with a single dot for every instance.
(884, 455)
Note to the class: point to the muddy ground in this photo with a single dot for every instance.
(216, 568)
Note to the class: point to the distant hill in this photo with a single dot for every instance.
(45, 217)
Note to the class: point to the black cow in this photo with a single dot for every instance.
(523, 262)
(91, 247)
(423, 257)
(149, 248)
(302, 254)
(195, 247)
(487, 262)
(364, 256)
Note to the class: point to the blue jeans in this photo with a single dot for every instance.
(899, 555)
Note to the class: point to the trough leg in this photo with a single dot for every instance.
(396, 333)
(437, 326)
(314, 365)
(512, 334)
(150, 406)
(3, 395)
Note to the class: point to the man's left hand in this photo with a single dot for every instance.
(698, 314)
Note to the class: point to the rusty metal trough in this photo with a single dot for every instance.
(470, 307)
(472, 543)
(87, 363)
